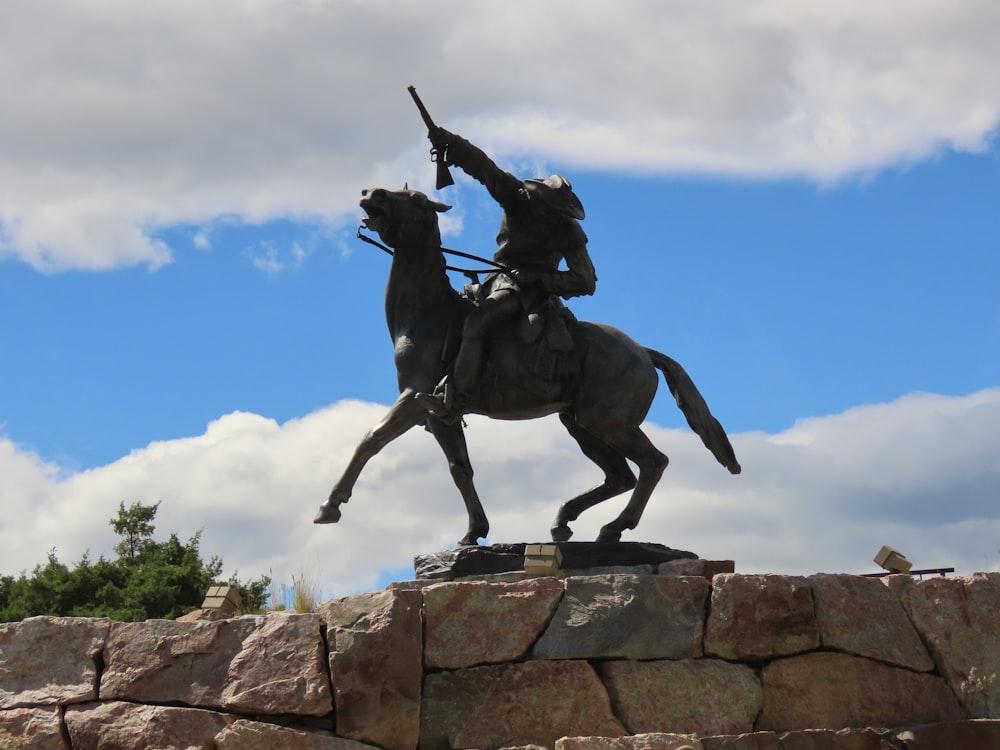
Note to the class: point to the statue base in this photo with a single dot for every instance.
(509, 558)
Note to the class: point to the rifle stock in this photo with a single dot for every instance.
(444, 178)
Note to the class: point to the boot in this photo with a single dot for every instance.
(445, 403)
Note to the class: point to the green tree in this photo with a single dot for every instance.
(148, 580)
(135, 526)
(254, 593)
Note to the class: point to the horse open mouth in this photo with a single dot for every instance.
(374, 215)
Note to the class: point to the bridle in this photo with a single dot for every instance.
(471, 273)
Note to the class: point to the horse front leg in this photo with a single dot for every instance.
(402, 415)
(451, 438)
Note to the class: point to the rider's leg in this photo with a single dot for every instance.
(450, 403)
(500, 305)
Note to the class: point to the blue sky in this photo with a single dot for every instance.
(798, 203)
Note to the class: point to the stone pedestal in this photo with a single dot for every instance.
(691, 656)
(509, 558)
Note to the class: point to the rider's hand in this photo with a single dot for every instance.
(439, 138)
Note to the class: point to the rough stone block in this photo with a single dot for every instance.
(810, 739)
(255, 735)
(33, 672)
(260, 665)
(471, 623)
(281, 668)
(376, 664)
(608, 570)
(534, 702)
(750, 741)
(862, 616)
(843, 739)
(835, 691)
(627, 617)
(34, 728)
(758, 617)
(651, 741)
(704, 568)
(690, 696)
(130, 726)
(980, 734)
(959, 619)
(199, 615)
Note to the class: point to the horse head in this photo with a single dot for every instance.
(402, 217)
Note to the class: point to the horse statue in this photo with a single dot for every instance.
(601, 389)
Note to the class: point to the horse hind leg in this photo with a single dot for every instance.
(618, 477)
(634, 444)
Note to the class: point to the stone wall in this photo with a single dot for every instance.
(616, 661)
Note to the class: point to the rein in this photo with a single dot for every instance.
(472, 273)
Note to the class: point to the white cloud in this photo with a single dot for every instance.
(919, 473)
(271, 260)
(121, 118)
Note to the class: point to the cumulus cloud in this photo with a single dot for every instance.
(919, 473)
(123, 118)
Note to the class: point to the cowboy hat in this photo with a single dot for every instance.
(556, 193)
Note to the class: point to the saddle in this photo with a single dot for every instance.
(545, 331)
(538, 352)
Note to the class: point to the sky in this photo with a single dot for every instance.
(795, 200)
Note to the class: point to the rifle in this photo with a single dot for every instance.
(437, 155)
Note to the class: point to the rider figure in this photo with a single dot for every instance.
(539, 229)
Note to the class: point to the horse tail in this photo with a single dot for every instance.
(695, 410)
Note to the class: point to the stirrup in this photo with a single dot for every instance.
(432, 402)
(442, 404)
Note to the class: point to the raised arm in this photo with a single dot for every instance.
(503, 186)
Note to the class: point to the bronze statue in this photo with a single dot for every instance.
(599, 381)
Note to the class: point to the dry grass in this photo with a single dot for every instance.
(301, 596)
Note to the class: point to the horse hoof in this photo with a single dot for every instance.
(561, 533)
(327, 514)
(475, 532)
(471, 539)
(609, 535)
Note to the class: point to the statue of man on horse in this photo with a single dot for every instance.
(599, 381)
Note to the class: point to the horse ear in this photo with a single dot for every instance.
(439, 207)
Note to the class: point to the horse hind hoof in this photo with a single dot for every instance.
(327, 514)
(473, 535)
(561, 533)
(470, 540)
